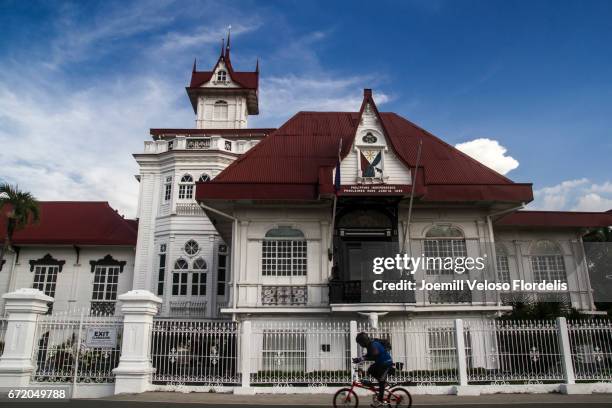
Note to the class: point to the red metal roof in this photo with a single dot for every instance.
(247, 80)
(304, 151)
(76, 223)
(569, 219)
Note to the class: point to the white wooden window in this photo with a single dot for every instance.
(501, 262)
(547, 262)
(284, 253)
(161, 271)
(221, 76)
(443, 241)
(198, 277)
(221, 270)
(220, 110)
(179, 278)
(204, 178)
(168, 189)
(186, 187)
(104, 296)
(45, 279)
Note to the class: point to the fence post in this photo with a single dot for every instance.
(352, 335)
(23, 307)
(566, 350)
(133, 374)
(246, 332)
(461, 357)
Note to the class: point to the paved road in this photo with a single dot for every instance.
(178, 400)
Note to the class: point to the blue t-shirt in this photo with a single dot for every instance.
(382, 356)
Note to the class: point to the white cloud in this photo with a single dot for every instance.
(281, 97)
(490, 153)
(76, 145)
(576, 195)
(593, 202)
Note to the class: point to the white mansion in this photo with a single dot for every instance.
(281, 223)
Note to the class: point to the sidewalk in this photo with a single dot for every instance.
(325, 399)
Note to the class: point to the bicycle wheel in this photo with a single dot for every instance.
(345, 397)
(400, 398)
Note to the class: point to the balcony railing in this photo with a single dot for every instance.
(284, 295)
(356, 291)
(189, 209)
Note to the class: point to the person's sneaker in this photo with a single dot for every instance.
(377, 404)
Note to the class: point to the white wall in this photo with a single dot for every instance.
(75, 282)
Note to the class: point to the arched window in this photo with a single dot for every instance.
(191, 247)
(186, 187)
(443, 241)
(181, 264)
(220, 110)
(198, 277)
(547, 262)
(284, 252)
(199, 264)
(221, 76)
(204, 178)
(179, 277)
(501, 262)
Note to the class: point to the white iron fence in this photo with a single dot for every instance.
(424, 352)
(300, 353)
(514, 352)
(194, 352)
(76, 348)
(83, 348)
(591, 344)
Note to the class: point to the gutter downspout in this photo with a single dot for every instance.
(492, 236)
(234, 249)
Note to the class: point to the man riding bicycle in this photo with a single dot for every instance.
(383, 362)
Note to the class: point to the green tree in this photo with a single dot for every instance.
(20, 208)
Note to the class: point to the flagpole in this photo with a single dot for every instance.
(414, 181)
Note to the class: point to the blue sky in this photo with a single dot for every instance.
(523, 86)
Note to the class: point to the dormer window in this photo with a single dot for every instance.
(220, 110)
(221, 76)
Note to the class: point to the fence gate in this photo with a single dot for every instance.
(194, 352)
(77, 348)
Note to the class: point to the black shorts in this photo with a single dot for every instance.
(379, 370)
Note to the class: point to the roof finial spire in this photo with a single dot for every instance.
(257, 65)
(227, 46)
(194, 65)
(222, 47)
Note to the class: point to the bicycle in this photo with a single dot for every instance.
(395, 396)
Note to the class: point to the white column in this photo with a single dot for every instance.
(23, 308)
(246, 351)
(133, 374)
(566, 350)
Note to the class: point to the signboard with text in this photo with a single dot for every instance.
(374, 189)
(104, 337)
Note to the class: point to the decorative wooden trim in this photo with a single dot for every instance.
(47, 260)
(108, 260)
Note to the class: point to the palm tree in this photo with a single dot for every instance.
(19, 208)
